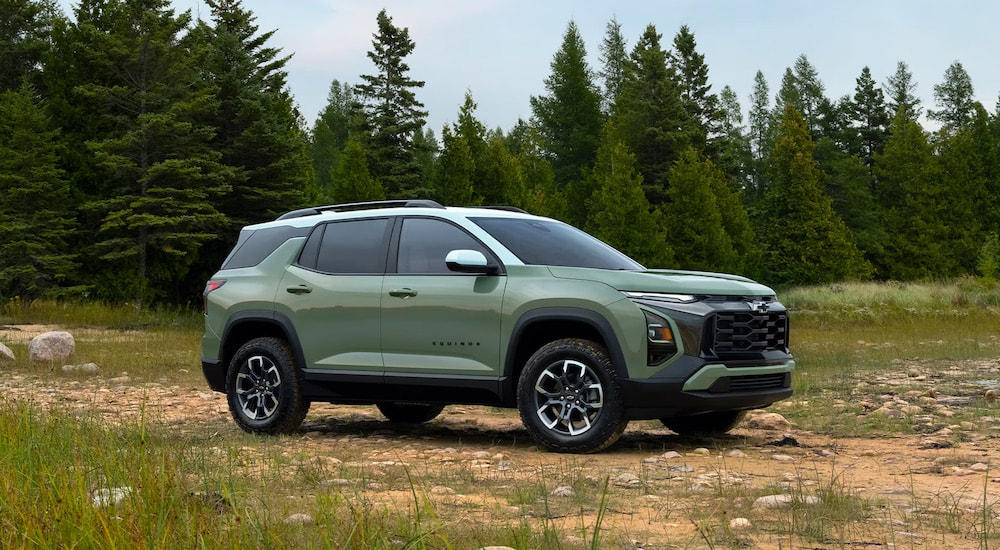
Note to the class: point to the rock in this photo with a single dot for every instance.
(671, 454)
(782, 458)
(627, 480)
(739, 524)
(6, 355)
(980, 467)
(564, 491)
(780, 501)
(85, 368)
(991, 395)
(701, 451)
(932, 443)
(110, 497)
(51, 346)
(442, 490)
(736, 453)
(768, 421)
(299, 519)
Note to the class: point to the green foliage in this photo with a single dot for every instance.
(805, 241)
(701, 105)
(694, 229)
(651, 114)
(351, 180)
(989, 258)
(501, 180)
(25, 38)
(330, 133)
(452, 179)
(157, 163)
(869, 118)
(613, 58)
(954, 97)
(760, 137)
(618, 212)
(569, 117)
(35, 215)
(899, 89)
(392, 116)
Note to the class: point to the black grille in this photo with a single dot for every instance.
(755, 382)
(746, 331)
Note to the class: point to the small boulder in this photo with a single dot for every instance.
(51, 346)
(299, 519)
(563, 491)
(6, 355)
(739, 524)
(768, 421)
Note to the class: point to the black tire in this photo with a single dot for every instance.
(409, 413)
(263, 389)
(713, 423)
(569, 398)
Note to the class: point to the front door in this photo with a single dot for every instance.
(439, 324)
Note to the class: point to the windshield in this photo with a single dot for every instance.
(544, 242)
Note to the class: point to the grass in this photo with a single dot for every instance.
(192, 486)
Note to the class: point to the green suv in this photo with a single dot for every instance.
(413, 306)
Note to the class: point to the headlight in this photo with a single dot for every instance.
(660, 343)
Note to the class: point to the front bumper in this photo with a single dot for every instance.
(714, 387)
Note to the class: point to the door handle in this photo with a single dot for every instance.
(402, 293)
(299, 289)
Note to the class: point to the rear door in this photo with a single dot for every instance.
(333, 293)
(438, 324)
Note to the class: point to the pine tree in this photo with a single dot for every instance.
(36, 221)
(810, 92)
(351, 180)
(502, 182)
(453, 171)
(25, 38)
(157, 176)
(870, 119)
(614, 57)
(619, 213)
(256, 125)
(474, 133)
(569, 117)
(692, 76)
(542, 195)
(955, 99)
(329, 134)
(651, 115)
(732, 145)
(694, 229)
(392, 114)
(760, 139)
(899, 89)
(805, 242)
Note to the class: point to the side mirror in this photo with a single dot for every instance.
(470, 261)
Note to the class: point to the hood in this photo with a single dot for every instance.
(668, 281)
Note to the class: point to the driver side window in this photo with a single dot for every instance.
(424, 243)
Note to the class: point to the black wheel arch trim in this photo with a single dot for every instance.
(508, 382)
(269, 317)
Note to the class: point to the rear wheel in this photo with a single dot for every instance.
(262, 388)
(713, 423)
(568, 397)
(409, 413)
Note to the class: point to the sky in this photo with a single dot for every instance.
(501, 50)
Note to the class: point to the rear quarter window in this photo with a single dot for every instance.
(259, 244)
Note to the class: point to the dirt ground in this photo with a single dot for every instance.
(668, 492)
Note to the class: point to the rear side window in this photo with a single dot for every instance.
(254, 246)
(347, 247)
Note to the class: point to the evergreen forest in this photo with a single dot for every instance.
(136, 141)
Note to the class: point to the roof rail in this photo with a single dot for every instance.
(348, 206)
(505, 209)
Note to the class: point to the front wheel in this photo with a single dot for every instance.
(569, 399)
(263, 390)
(713, 423)
(409, 413)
